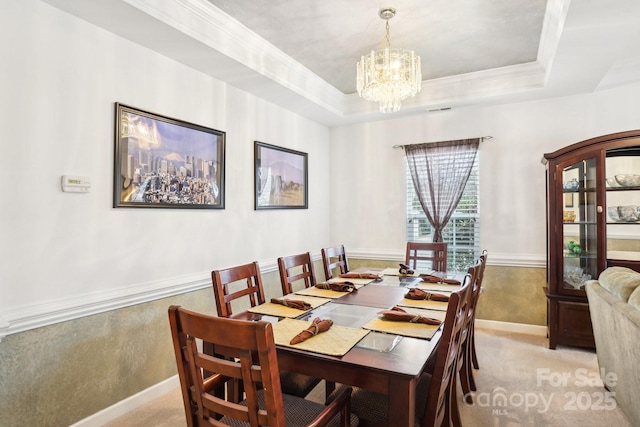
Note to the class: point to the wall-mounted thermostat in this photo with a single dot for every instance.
(76, 184)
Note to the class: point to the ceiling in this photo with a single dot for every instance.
(301, 54)
(452, 37)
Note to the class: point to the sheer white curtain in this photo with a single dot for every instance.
(440, 171)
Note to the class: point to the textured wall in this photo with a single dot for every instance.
(60, 374)
(513, 294)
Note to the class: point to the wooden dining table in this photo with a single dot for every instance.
(381, 362)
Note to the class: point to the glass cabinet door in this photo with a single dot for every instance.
(622, 171)
(579, 225)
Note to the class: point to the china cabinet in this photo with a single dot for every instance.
(593, 221)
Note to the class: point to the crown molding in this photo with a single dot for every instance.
(207, 24)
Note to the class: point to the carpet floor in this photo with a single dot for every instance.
(521, 382)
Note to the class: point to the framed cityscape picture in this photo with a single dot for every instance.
(162, 162)
(281, 177)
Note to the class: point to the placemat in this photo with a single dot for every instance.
(396, 272)
(322, 293)
(442, 287)
(427, 304)
(357, 282)
(407, 329)
(279, 310)
(337, 341)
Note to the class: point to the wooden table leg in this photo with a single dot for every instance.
(402, 401)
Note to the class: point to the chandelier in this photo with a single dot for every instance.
(390, 75)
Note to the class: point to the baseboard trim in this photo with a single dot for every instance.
(511, 327)
(130, 403)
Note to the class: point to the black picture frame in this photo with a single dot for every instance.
(281, 177)
(161, 162)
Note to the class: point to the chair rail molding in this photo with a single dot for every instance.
(18, 319)
(44, 313)
(495, 259)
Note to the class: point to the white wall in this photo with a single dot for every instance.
(368, 175)
(60, 79)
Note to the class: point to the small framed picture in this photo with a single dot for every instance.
(162, 162)
(281, 177)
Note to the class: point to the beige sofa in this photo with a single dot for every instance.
(614, 304)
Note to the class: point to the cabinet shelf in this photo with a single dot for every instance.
(623, 223)
(623, 188)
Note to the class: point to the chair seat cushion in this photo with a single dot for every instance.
(297, 412)
(297, 384)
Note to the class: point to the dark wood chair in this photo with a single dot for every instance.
(249, 357)
(296, 269)
(433, 253)
(474, 357)
(334, 258)
(233, 278)
(254, 290)
(464, 368)
(433, 391)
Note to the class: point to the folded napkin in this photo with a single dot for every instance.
(361, 276)
(293, 303)
(437, 279)
(419, 294)
(337, 286)
(400, 315)
(316, 327)
(404, 270)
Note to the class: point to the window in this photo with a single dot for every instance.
(462, 233)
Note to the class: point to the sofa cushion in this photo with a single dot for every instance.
(620, 281)
(634, 299)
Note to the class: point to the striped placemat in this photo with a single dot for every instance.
(337, 341)
(278, 310)
(396, 272)
(322, 293)
(407, 329)
(426, 304)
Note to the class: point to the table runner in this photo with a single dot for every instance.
(271, 309)
(407, 329)
(396, 272)
(425, 304)
(337, 341)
